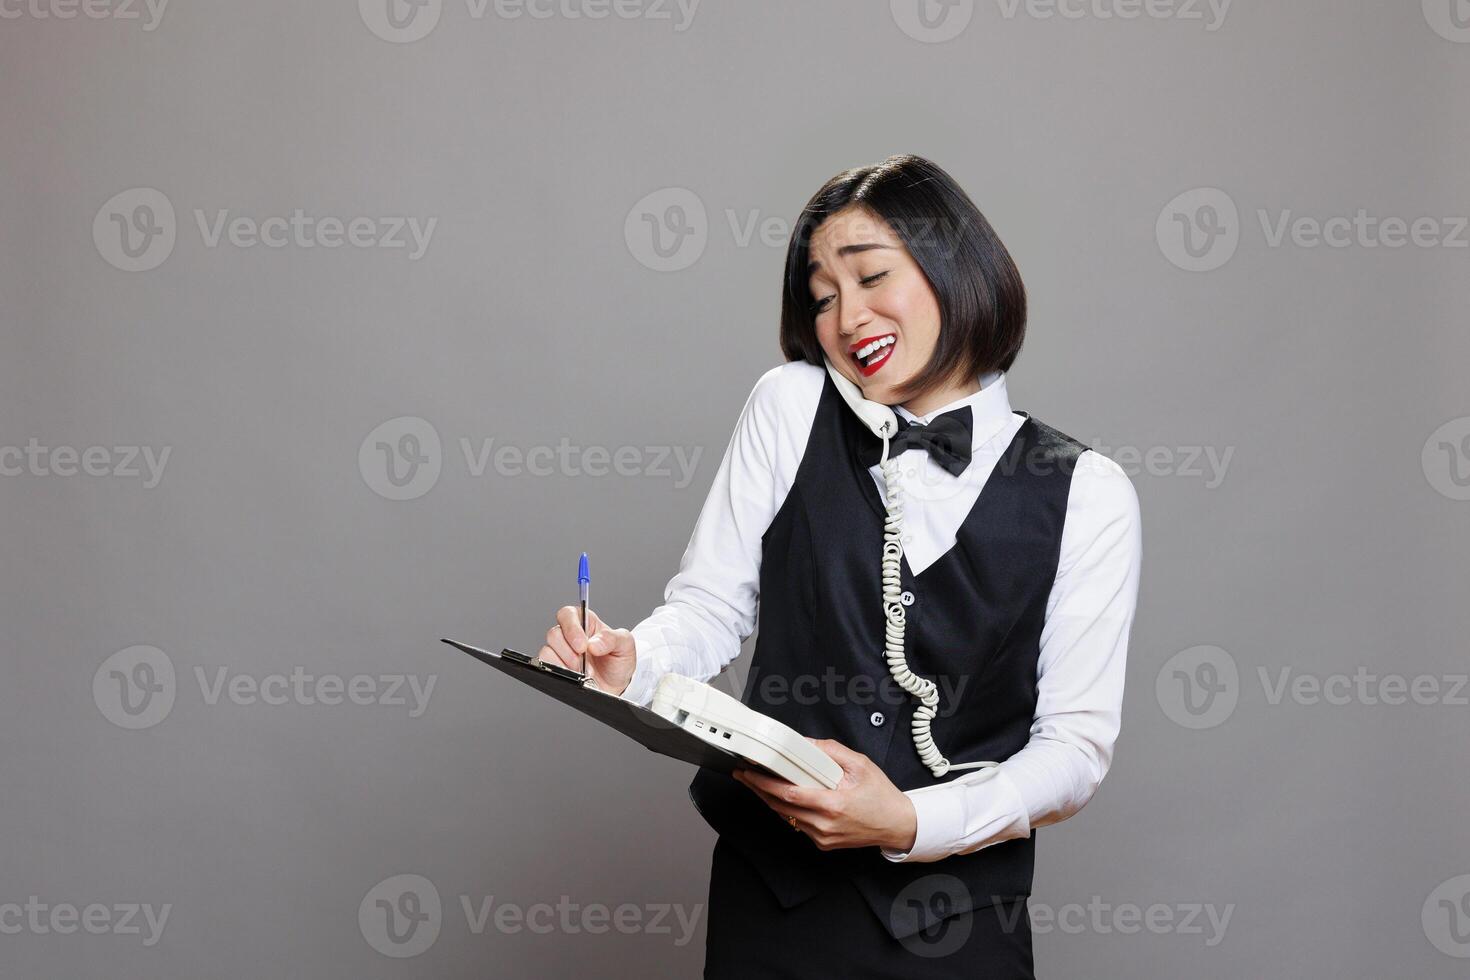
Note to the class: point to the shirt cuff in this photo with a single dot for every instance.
(963, 816)
(645, 672)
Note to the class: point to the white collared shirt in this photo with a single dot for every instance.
(710, 605)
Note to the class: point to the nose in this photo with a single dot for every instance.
(852, 313)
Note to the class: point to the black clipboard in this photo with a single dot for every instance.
(635, 721)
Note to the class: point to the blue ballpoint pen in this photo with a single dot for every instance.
(584, 580)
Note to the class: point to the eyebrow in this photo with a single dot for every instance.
(848, 250)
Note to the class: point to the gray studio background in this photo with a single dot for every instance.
(215, 701)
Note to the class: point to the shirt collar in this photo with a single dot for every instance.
(990, 409)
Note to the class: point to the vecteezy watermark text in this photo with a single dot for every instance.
(402, 916)
(122, 462)
(937, 912)
(667, 230)
(1206, 463)
(937, 21)
(136, 230)
(1100, 917)
(40, 918)
(1200, 687)
(402, 459)
(834, 688)
(1201, 229)
(406, 21)
(569, 918)
(135, 688)
(86, 9)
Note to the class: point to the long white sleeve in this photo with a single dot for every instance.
(710, 605)
(1084, 645)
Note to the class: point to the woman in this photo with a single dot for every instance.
(958, 586)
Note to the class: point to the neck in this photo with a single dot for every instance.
(935, 398)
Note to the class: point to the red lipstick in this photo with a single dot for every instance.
(871, 353)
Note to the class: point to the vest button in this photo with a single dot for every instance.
(907, 598)
(877, 719)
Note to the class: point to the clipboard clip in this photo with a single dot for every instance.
(521, 660)
(538, 664)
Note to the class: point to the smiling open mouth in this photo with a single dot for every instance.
(871, 353)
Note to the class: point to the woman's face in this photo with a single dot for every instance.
(876, 316)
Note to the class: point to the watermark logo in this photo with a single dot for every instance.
(1449, 18)
(401, 459)
(933, 899)
(1446, 459)
(667, 230)
(135, 688)
(1198, 688)
(932, 21)
(1446, 917)
(401, 916)
(1199, 230)
(400, 21)
(135, 230)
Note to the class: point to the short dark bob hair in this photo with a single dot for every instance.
(982, 301)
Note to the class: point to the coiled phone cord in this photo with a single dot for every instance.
(893, 646)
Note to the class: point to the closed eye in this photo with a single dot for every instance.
(820, 305)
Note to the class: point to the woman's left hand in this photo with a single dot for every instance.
(865, 809)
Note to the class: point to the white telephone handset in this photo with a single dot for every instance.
(883, 423)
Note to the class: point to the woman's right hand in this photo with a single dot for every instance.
(611, 653)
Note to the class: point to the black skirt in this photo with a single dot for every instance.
(836, 934)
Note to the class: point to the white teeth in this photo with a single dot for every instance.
(876, 345)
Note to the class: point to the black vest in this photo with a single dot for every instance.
(974, 627)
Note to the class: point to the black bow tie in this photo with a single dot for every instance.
(946, 440)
